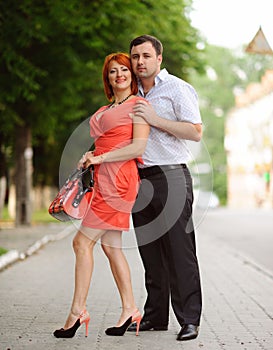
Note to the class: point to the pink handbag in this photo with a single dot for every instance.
(74, 198)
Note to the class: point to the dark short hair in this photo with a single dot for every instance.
(144, 38)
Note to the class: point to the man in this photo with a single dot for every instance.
(162, 214)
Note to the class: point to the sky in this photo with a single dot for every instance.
(233, 23)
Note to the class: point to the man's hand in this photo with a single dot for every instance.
(179, 129)
(146, 111)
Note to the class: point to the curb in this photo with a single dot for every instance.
(245, 259)
(14, 255)
(9, 258)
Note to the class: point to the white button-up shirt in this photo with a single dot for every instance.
(173, 99)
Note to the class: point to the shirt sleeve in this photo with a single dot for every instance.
(186, 105)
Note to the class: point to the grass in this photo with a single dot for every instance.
(42, 217)
(3, 251)
(5, 214)
(38, 216)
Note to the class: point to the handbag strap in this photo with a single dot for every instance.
(85, 171)
(83, 189)
(77, 173)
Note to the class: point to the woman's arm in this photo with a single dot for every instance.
(135, 149)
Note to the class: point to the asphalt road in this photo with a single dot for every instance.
(247, 231)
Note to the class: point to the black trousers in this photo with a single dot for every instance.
(162, 217)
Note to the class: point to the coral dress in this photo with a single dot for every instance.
(116, 183)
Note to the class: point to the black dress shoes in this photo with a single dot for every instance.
(188, 332)
(147, 326)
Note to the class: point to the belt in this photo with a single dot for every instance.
(158, 169)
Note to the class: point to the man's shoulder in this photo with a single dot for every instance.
(171, 78)
(178, 85)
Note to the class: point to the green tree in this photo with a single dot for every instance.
(227, 72)
(52, 52)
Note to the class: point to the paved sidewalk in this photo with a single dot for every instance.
(35, 296)
(22, 242)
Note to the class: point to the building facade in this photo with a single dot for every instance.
(249, 146)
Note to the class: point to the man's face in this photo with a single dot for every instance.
(145, 62)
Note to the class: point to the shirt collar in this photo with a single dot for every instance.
(162, 75)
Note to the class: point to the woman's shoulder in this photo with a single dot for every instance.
(101, 109)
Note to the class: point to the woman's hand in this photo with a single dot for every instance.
(83, 162)
(88, 158)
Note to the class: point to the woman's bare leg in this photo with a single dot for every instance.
(83, 245)
(112, 246)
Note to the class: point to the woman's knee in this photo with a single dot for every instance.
(80, 243)
(111, 244)
(107, 250)
(111, 252)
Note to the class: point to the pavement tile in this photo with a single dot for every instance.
(36, 293)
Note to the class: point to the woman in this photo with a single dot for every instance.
(120, 140)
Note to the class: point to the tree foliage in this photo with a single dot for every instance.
(227, 71)
(52, 52)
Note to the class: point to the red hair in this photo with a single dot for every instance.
(123, 59)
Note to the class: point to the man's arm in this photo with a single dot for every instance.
(181, 130)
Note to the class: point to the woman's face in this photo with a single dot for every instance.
(119, 76)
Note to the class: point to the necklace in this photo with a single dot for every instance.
(112, 105)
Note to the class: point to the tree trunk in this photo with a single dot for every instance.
(3, 179)
(23, 175)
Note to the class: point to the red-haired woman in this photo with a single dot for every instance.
(120, 140)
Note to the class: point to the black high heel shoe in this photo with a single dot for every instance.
(70, 332)
(119, 331)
